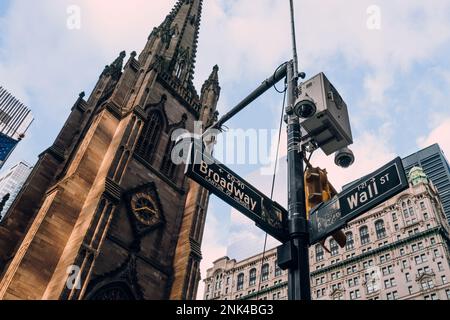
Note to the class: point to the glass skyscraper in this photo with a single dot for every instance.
(11, 183)
(15, 118)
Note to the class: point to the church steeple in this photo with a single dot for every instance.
(173, 45)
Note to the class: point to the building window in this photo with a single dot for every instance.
(420, 259)
(265, 272)
(422, 205)
(432, 296)
(364, 234)
(350, 244)
(448, 294)
(427, 284)
(444, 279)
(150, 136)
(367, 264)
(380, 229)
(408, 277)
(334, 248)
(387, 270)
(240, 281)
(440, 268)
(392, 295)
(425, 216)
(252, 280)
(278, 270)
(410, 290)
(436, 253)
(394, 216)
(319, 253)
(355, 295)
(389, 283)
(168, 167)
(405, 264)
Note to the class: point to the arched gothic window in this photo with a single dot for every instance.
(168, 167)
(115, 291)
(150, 136)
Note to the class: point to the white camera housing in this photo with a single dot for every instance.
(330, 125)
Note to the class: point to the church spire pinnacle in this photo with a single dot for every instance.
(174, 42)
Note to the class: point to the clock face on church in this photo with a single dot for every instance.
(145, 209)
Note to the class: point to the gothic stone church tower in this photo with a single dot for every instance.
(105, 198)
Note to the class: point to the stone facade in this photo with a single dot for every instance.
(399, 250)
(105, 202)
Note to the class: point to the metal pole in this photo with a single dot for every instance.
(294, 40)
(278, 75)
(299, 278)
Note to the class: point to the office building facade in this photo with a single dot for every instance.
(11, 183)
(15, 118)
(398, 250)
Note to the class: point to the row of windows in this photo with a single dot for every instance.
(365, 239)
(364, 236)
(386, 270)
(252, 277)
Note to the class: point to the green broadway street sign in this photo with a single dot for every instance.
(227, 185)
(367, 193)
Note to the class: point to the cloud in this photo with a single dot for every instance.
(440, 134)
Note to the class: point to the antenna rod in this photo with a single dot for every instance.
(294, 40)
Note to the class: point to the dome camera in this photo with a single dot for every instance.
(305, 107)
(344, 158)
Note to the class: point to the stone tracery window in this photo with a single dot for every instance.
(150, 136)
(116, 291)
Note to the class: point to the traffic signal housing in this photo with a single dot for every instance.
(318, 190)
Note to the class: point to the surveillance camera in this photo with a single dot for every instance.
(305, 107)
(344, 158)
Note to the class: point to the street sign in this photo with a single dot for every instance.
(227, 185)
(370, 191)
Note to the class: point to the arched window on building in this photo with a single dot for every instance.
(168, 167)
(240, 281)
(319, 253)
(252, 279)
(334, 248)
(114, 292)
(380, 229)
(150, 136)
(364, 235)
(265, 272)
(278, 271)
(350, 243)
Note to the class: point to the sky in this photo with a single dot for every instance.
(388, 59)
